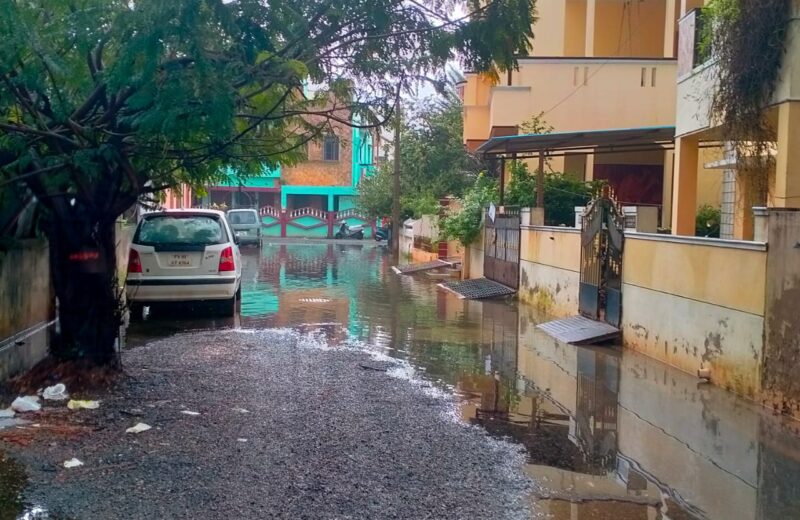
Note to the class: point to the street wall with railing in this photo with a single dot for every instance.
(696, 302)
(689, 302)
(550, 269)
(27, 302)
(26, 306)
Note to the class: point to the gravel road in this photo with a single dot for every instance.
(287, 428)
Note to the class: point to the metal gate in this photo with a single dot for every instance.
(501, 247)
(602, 240)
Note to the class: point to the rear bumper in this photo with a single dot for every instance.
(180, 289)
(247, 239)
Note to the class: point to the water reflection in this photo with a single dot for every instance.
(609, 434)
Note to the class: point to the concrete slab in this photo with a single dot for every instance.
(579, 330)
(478, 289)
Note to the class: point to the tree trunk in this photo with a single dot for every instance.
(84, 269)
(397, 226)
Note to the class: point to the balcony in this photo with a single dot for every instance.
(587, 93)
(696, 76)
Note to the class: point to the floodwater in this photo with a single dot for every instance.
(609, 435)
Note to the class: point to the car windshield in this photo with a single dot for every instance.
(242, 217)
(180, 229)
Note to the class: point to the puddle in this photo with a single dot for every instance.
(12, 483)
(609, 434)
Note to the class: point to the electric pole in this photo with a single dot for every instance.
(396, 224)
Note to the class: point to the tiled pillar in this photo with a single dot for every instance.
(669, 29)
(684, 186)
(666, 193)
(786, 190)
(591, 9)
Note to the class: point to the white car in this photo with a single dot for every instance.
(184, 255)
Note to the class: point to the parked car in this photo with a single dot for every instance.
(184, 255)
(246, 225)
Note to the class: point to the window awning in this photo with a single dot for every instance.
(589, 141)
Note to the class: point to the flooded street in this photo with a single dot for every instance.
(608, 434)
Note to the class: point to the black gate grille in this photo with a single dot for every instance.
(602, 240)
(501, 247)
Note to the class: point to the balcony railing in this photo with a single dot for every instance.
(694, 49)
(588, 93)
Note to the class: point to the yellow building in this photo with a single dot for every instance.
(595, 65)
(699, 153)
(725, 308)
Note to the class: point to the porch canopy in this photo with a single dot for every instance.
(589, 141)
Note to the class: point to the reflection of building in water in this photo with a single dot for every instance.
(622, 436)
(313, 307)
(306, 284)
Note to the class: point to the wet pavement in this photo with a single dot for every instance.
(607, 434)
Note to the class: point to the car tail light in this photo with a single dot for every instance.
(226, 260)
(134, 263)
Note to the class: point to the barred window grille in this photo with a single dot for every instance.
(330, 150)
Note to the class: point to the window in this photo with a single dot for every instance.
(180, 229)
(330, 148)
(242, 217)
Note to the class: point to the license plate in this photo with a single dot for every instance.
(180, 261)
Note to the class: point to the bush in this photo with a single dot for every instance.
(562, 193)
(464, 224)
(708, 221)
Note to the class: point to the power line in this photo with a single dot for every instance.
(620, 43)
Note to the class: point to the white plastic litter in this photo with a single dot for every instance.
(139, 428)
(73, 463)
(55, 393)
(75, 404)
(241, 439)
(240, 410)
(189, 412)
(28, 403)
(8, 413)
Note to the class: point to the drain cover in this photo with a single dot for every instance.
(478, 289)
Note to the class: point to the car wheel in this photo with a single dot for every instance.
(227, 308)
(136, 311)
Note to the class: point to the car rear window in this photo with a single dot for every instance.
(242, 217)
(180, 230)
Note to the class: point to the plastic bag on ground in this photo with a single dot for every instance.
(73, 463)
(55, 393)
(139, 428)
(75, 404)
(28, 403)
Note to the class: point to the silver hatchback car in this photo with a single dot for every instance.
(246, 225)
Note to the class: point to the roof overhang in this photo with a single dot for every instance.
(589, 141)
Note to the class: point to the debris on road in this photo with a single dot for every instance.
(189, 412)
(376, 369)
(77, 404)
(28, 403)
(55, 393)
(240, 410)
(73, 463)
(139, 428)
(241, 439)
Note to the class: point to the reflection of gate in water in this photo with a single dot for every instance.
(501, 247)
(596, 409)
(602, 241)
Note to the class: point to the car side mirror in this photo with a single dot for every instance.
(236, 239)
